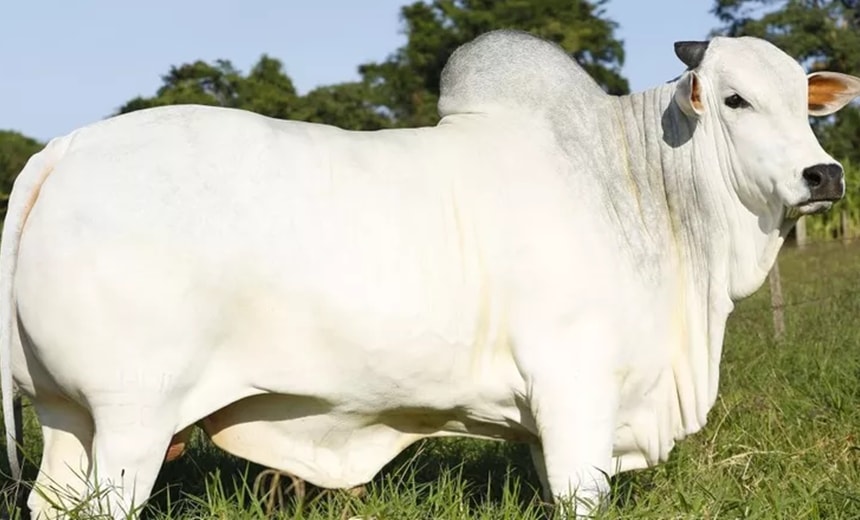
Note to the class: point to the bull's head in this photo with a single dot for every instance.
(757, 101)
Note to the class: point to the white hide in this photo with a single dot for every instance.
(548, 264)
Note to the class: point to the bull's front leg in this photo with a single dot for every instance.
(573, 395)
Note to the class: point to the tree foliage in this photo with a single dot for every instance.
(406, 84)
(346, 105)
(195, 83)
(822, 35)
(15, 150)
(267, 90)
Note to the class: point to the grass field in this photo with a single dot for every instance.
(783, 440)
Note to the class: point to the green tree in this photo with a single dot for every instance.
(406, 85)
(266, 90)
(193, 83)
(821, 35)
(346, 105)
(15, 150)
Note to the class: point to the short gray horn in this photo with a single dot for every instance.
(691, 53)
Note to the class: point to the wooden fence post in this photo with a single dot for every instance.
(777, 304)
(800, 232)
(845, 226)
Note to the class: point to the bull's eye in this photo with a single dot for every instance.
(735, 101)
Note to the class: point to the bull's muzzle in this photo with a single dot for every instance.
(825, 182)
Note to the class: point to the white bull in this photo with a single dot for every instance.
(549, 264)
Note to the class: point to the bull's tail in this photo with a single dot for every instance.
(24, 194)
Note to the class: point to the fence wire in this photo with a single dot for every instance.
(822, 272)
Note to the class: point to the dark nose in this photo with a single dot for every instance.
(824, 182)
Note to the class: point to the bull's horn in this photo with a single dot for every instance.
(691, 53)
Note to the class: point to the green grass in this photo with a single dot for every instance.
(782, 441)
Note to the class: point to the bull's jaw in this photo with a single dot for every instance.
(808, 208)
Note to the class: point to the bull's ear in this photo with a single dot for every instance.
(830, 91)
(688, 94)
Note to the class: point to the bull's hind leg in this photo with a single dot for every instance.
(128, 450)
(67, 431)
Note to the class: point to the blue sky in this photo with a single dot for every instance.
(64, 64)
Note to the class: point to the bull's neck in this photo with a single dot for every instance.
(681, 171)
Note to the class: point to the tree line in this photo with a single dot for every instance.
(402, 90)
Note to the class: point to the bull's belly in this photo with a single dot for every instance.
(329, 447)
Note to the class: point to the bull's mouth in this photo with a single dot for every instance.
(810, 207)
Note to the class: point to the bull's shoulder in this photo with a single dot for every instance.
(508, 69)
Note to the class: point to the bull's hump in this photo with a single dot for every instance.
(512, 70)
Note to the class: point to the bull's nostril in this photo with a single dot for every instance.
(824, 182)
(813, 177)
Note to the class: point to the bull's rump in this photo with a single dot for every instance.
(167, 260)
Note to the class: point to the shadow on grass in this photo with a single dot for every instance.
(484, 469)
